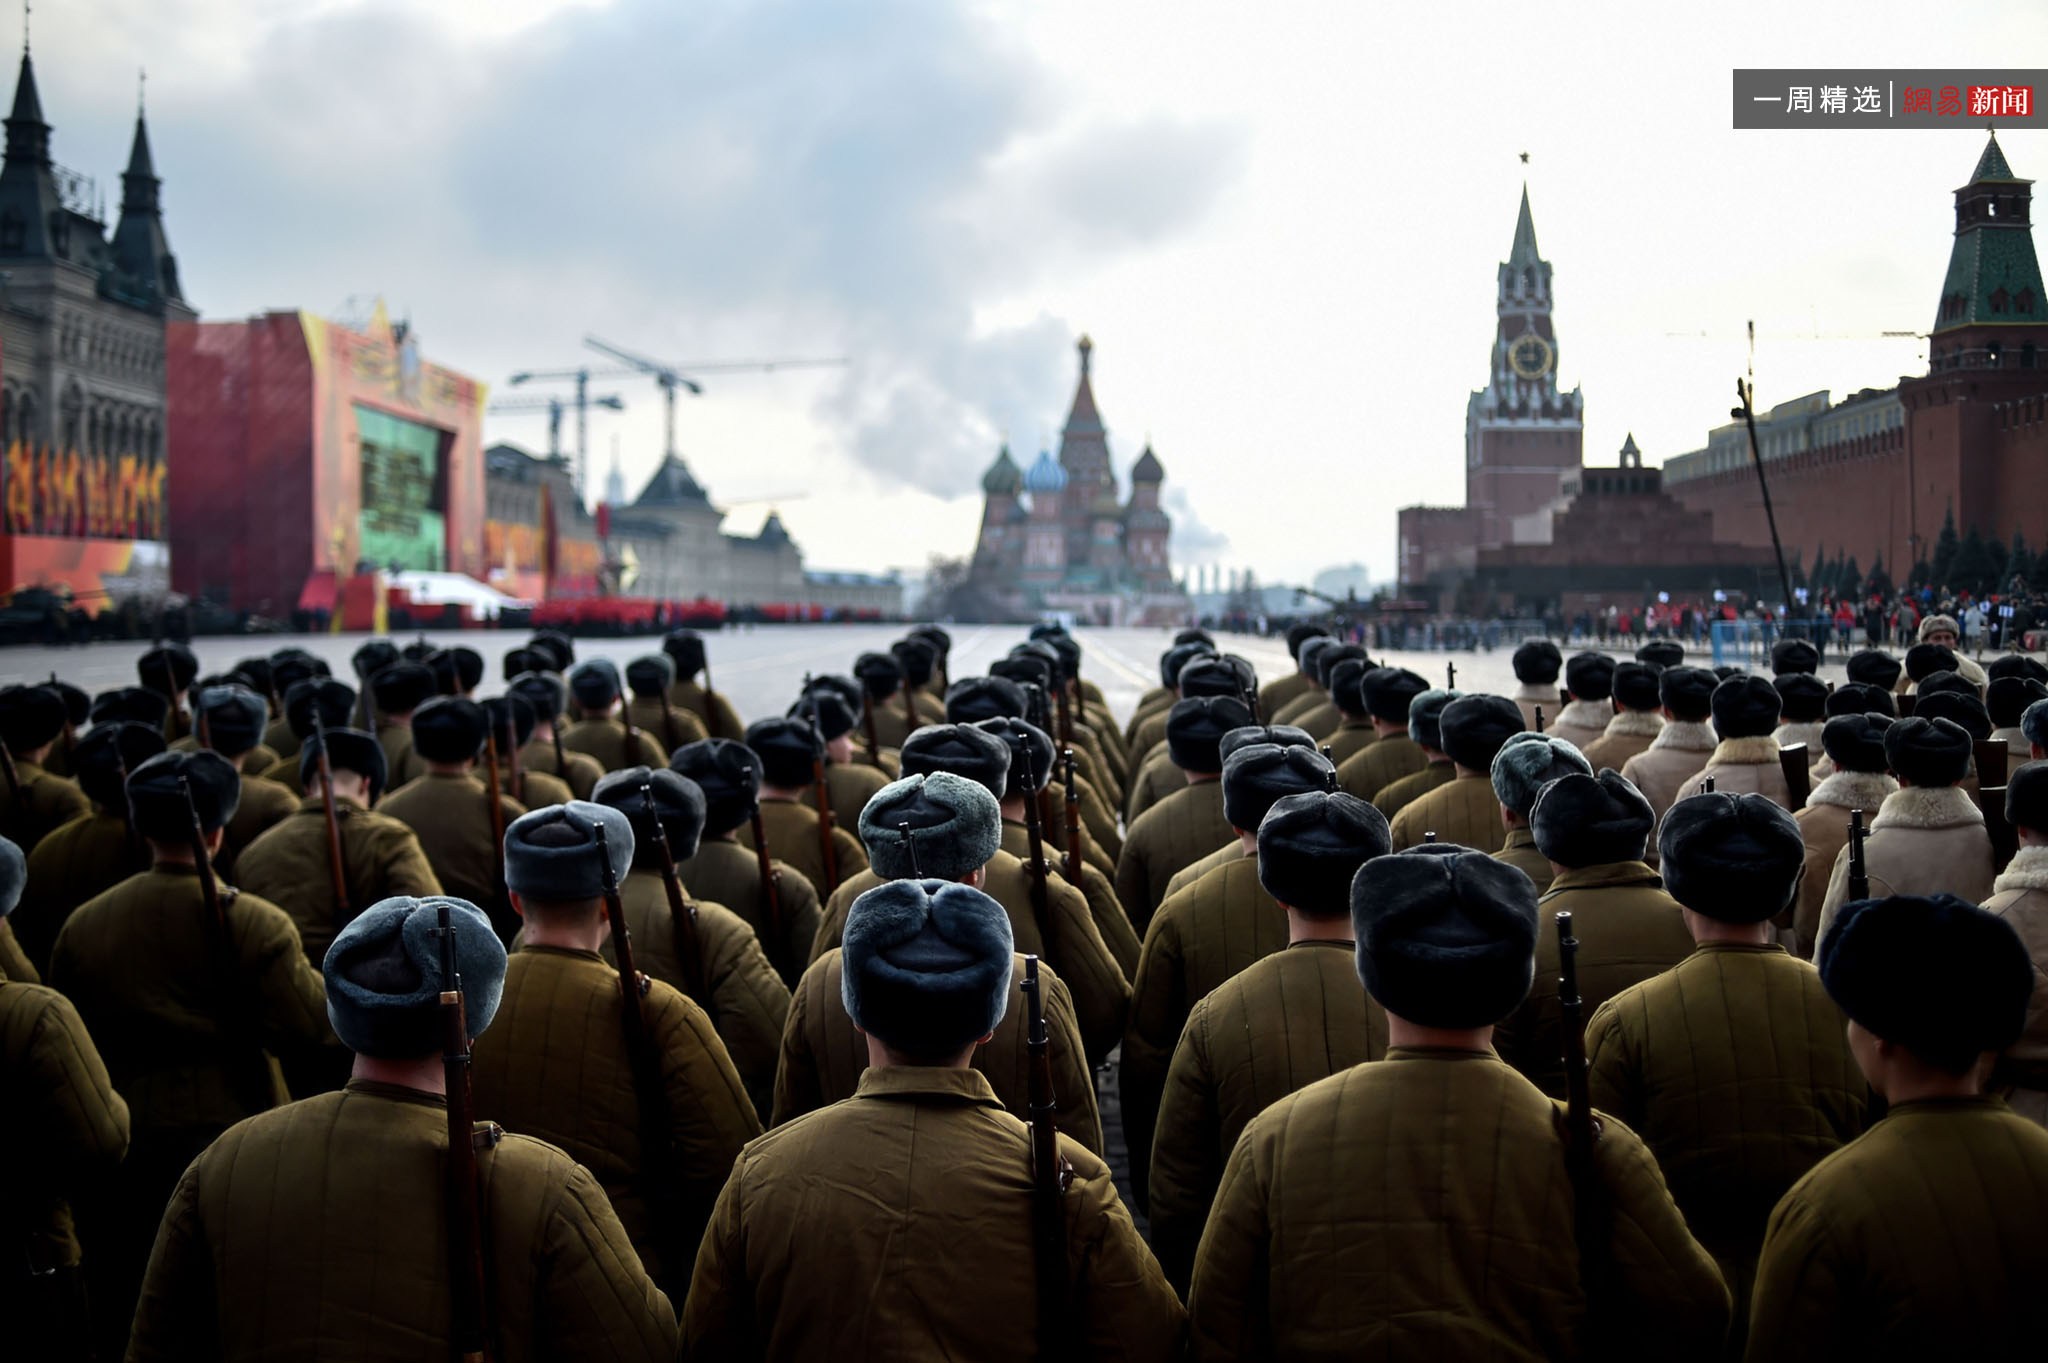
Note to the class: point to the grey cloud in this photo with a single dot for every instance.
(1193, 540)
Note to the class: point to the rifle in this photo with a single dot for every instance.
(1066, 717)
(1706, 785)
(828, 854)
(471, 1327)
(135, 844)
(1580, 1130)
(867, 715)
(682, 915)
(561, 761)
(632, 747)
(1451, 675)
(668, 723)
(343, 908)
(1859, 871)
(1051, 1175)
(518, 782)
(1072, 867)
(209, 888)
(1798, 777)
(771, 893)
(1034, 826)
(1539, 719)
(656, 1162)
(909, 709)
(13, 776)
(495, 808)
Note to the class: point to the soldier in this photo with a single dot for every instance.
(1874, 667)
(1207, 933)
(919, 661)
(2005, 701)
(1921, 1238)
(231, 717)
(457, 670)
(95, 851)
(1852, 698)
(1189, 824)
(1855, 749)
(366, 662)
(448, 809)
(511, 721)
(1276, 1026)
(1355, 731)
(650, 677)
(1738, 1017)
(849, 784)
(77, 712)
(381, 857)
(1794, 658)
(1343, 1204)
(544, 752)
(1662, 654)
(1310, 660)
(1594, 830)
(789, 750)
(712, 956)
(66, 1129)
(1464, 810)
(1745, 761)
(558, 1063)
(189, 1007)
(288, 668)
(2020, 897)
(1635, 723)
(881, 680)
(1941, 631)
(1525, 764)
(259, 757)
(169, 670)
(595, 685)
(555, 645)
(1963, 709)
(727, 871)
(942, 649)
(1802, 709)
(685, 647)
(131, 705)
(1537, 663)
(399, 690)
(1588, 700)
(1923, 660)
(33, 802)
(1218, 675)
(1239, 847)
(926, 976)
(14, 963)
(368, 1167)
(947, 827)
(1322, 719)
(1928, 837)
(1670, 766)
(1160, 698)
(334, 703)
(1276, 694)
(1424, 713)
(974, 699)
(1387, 693)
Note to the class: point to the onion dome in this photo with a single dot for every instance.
(1045, 475)
(1148, 468)
(1003, 478)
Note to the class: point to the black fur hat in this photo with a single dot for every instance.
(1031, 754)
(1389, 691)
(2008, 697)
(1688, 693)
(1874, 667)
(1446, 935)
(1794, 657)
(2017, 665)
(1935, 682)
(160, 809)
(1256, 776)
(964, 750)
(1802, 697)
(1225, 674)
(1347, 688)
(1635, 686)
(1859, 698)
(1960, 707)
(1662, 653)
(787, 748)
(1474, 728)
(373, 657)
(449, 729)
(678, 803)
(167, 668)
(649, 676)
(1286, 735)
(1591, 820)
(1589, 676)
(828, 709)
(685, 648)
(728, 773)
(879, 674)
(334, 701)
(1936, 975)
(1736, 858)
(1924, 660)
(595, 684)
(1177, 657)
(30, 716)
(1297, 635)
(347, 750)
(1856, 742)
(1745, 707)
(1538, 661)
(1330, 659)
(1927, 752)
(973, 699)
(511, 719)
(401, 688)
(103, 756)
(917, 658)
(458, 670)
(1195, 728)
(1311, 845)
(544, 691)
(235, 718)
(925, 965)
(130, 704)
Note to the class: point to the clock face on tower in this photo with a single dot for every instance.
(1530, 356)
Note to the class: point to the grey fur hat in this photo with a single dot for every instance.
(1425, 711)
(965, 750)
(1735, 858)
(1474, 728)
(2034, 723)
(384, 976)
(13, 876)
(235, 718)
(1311, 846)
(1195, 727)
(551, 853)
(1446, 935)
(1592, 820)
(1286, 735)
(1529, 761)
(925, 965)
(678, 803)
(954, 827)
(1261, 773)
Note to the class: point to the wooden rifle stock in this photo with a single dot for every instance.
(668, 725)
(771, 891)
(1066, 716)
(1859, 870)
(682, 915)
(202, 861)
(136, 849)
(1798, 776)
(1051, 1175)
(1034, 826)
(511, 751)
(561, 759)
(336, 866)
(471, 1327)
(631, 750)
(909, 709)
(867, 716)
(1072, 865)
(1580, 1129)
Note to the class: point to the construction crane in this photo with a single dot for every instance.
(669, 377)
(554, 407)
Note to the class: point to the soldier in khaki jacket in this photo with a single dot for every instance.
(1276, 694)
(1315, 694)
(727, 871)
(33, 802)
(1525, 764)
(1594, 830)
(1387, 693)
(685, 647)
(849, 781)
(1741, 1015)
(557, 1064)
(712, 955)
(1274, 1027)
(1240, 845)
(448, 808)
(1161, 698)
(1589, 700)
(897, 710)
(1635, 722)
(231, 719)
(511, 720)
(1322, 719)
(1425, 712)
(1803, 707)
(1158, 776)
(1189, 824)
(790, 751)
(289, 667)
(1347, 1209)
(650, 678)
(66, 1130)
(398, 690)
(1921, 1238)
(975, 699)
(1355, 731)
(189, 1012)
(169, 670)
(1855, 749)
(909, 1191)
(1464, 810)
(1670, 766)
(543, 752)
(94, 852)
(335, 704)
(1745, 761)
(2020, 897)
(1537, 663)
(597, 688)
(297, 1205)
(1928, 836)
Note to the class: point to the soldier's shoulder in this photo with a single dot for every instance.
(30, 1013)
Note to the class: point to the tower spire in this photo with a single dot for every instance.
(1524, 251)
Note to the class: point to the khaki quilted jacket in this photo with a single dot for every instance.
(729, 873)
(87, 856)
(1396, 796)
(1352, 737)
(1519, 851)
(554, 1066)
(583, 772)
(719, 718)
(1418, 1207)
(66, 1128)
(793, 837)
(1275, 1027)
(1734, 1069)
(1748, 766)
(605, 741)
(1234, 850)
(1104, 907)
(1824, 824)
(40, 804)
(1463, 810)
(1366, 773)
(320, 1231)
(1154, 780)
(452, 820)
(1183, 828)
(823, 1055)
(381, 857)
(914, 1203)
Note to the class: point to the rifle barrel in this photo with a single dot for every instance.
(682, 914)
(1050, 1175)
(471, 1329)
(1073, 861)
(771, 892)
(337, 867)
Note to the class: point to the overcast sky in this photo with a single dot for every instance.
(1280, 224)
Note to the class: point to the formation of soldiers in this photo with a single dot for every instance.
(1645, 1012)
